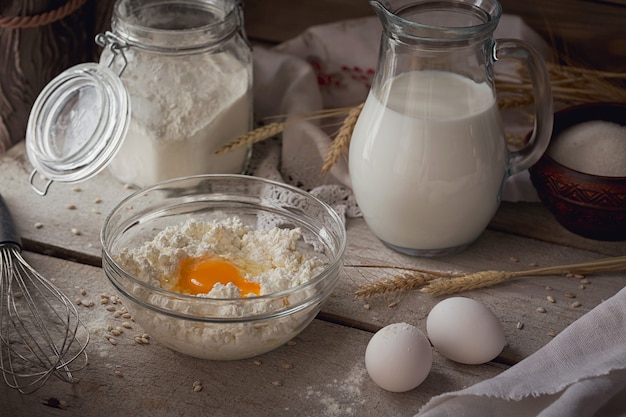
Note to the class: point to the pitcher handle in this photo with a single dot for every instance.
(542, 93)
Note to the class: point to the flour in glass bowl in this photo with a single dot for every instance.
(270, 258)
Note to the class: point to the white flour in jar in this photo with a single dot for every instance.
(183, 109)
(277, 263)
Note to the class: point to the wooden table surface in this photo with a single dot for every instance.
(322, 373)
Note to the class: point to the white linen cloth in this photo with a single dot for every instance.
(581, 372)
(332, 66)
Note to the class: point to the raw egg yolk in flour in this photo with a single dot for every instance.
(198, 275)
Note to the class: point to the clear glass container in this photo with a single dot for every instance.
(428, 156)
(173, 85)
(223, 328)
(188, 70)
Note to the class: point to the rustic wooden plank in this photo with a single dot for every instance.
(323, 373)
(535, 220)
(512, 302)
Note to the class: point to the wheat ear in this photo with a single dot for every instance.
(487, 278)
(342, 140)
(252, 137)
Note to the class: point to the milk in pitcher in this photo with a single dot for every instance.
(428, 168)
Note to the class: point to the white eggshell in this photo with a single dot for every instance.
(398, 357)
(465, 331)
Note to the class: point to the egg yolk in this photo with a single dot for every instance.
(198, 275)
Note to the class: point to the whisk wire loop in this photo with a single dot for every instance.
(40, 332)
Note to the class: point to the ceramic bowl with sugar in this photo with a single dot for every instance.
(224, 326)
(581, 178)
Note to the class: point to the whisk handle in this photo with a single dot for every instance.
(8, 232)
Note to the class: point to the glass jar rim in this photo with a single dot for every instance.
(154, 36)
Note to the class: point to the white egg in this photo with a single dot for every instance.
(465, 331)
(398, 357)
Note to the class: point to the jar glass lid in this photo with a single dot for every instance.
(77, 124)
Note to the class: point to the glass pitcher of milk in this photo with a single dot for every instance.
(428, 156)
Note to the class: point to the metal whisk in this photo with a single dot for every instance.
(40, 332)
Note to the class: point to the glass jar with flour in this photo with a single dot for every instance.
(173, 85)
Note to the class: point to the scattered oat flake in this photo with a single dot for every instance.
(83, 291)
(71, 207)
(75, 231)
(585, 281)
(541, 310)
(197, 388)
(38, 225)
(548, 288)
(277, 383)
(513, 259)
(112, 341)
(551, 299)
(287, 366)
(292, 343)
(257, 362)
(97, 200)
(127, 325)
(551, 334)
(367, 306)
(76, 189)
(392, 304)
(519, 325)
(581, 287)
(569, 295)
(118, 373)
(79, 301)
(575, 304)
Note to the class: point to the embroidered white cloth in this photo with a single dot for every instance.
(332, 66)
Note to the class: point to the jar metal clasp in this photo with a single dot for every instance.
(116, 45)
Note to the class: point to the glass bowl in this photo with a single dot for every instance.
(223, 328)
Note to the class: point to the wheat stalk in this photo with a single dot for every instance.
(272, 129)
(442, 283)
(342, 140)
(252, 137)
